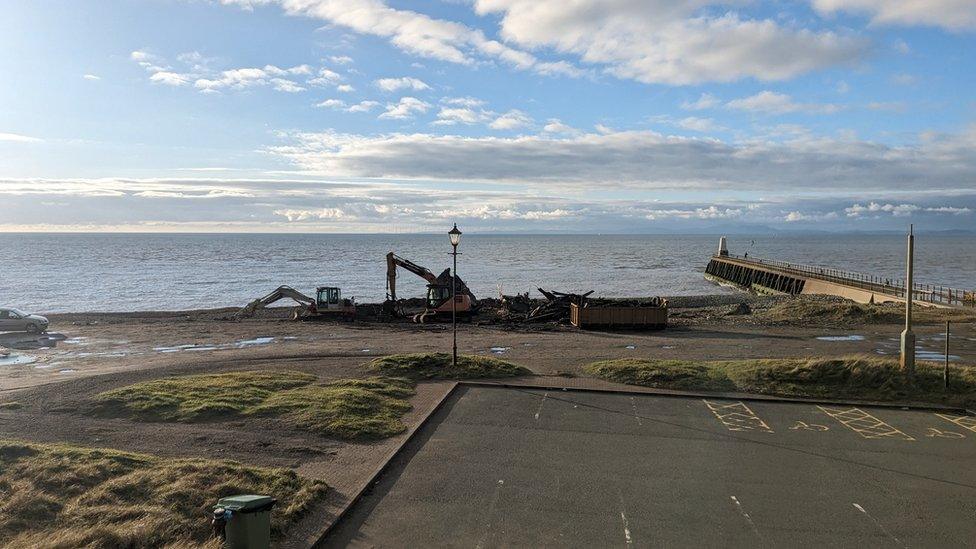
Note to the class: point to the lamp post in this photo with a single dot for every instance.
(455, 236)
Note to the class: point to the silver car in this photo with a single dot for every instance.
(15, 320)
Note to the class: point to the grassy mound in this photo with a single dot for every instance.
(66, 496)
(350, 409)
(861, 377)
(438, 366)
(810, 312)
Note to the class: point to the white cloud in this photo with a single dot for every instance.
(777, 103)
(415, 33)
(670, 41)
(470, 102)
(331, 104)
(407, 107)
(325, 77)
(363, 106)
(449, 116)
(512, 120)
(169, 78)
(91, 77)
(18, 138)
(407, 82)
(321, 213)
(701, 125)
(900, 210)
(252, 76)
(950, 14)
(339, 104)
(284, 85)
(705, 101)
(341, 59)
(345, 88)
(556, 126)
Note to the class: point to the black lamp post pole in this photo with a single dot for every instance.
(454, 303)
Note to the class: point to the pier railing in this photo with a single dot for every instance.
(930, 293)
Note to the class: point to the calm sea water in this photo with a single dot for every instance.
(127, 272)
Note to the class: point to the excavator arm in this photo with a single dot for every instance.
(392, 262)
(281, 292)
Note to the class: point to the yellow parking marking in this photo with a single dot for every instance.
(966, 422)
(737, 416)
(864, 423)
(933, 432)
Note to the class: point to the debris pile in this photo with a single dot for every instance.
(556, 306)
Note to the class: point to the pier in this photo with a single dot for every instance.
(779, 277)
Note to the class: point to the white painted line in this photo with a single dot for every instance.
(491, 512)
(745, 515)
(539, 411)
(879, 525)
(633, 403)
(623, 517)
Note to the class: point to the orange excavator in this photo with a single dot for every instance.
(438, 303)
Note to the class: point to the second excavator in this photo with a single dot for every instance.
(438, 303)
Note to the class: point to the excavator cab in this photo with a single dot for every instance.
(437, 295)
(327, 295)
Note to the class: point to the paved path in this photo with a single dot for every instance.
(526, 467)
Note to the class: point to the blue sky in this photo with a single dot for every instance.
(502, 115)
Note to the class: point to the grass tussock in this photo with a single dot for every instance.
(857, 377)
(349, 409)
(61, 496)
(420, 366)
(13, 405)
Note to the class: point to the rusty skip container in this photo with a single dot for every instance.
(619, 316)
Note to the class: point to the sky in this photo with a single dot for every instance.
(514, 116)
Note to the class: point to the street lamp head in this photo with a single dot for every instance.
(455, 235)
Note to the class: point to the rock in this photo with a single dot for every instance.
(739, 309)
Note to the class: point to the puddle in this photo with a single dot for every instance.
(255, 341)
(922, 354)
(190, 347)
(498, 350)
(367, 350)
(67, 371)
(76, 341)
(16, 358)
(842, 338)
(631, 347)
(880, 352)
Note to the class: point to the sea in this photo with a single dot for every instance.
(56, 273)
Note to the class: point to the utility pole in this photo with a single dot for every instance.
(908, 337)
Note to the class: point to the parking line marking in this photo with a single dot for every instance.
(633, 403)
(539, 411)
(878, 524)
(738, 507)
(737, 417)
(966, 422)
(623, 518)
(865, 424)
